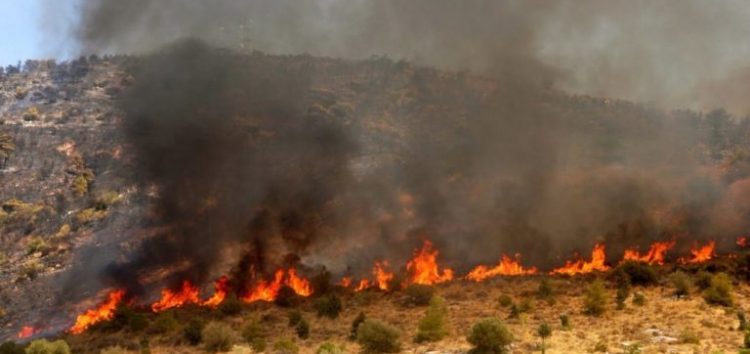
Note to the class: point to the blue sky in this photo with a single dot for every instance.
(22, 34)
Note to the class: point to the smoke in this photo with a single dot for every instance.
(248, 152)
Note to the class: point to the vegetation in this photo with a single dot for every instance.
(378, 337)
(720, 291)
(294, 316)
(623, 291)
(419, 295)
(328, 306)
(286, 297)
(565, 322)
(285, 346)
(114, 350)
(11, 348)
(7, 147)
(42, 346)
(639, 299)
(303, 329)
(31, 114)
(355, 325)
(164, 323)
(231, 305)
(329, 348)
(255, 335)
(544, 331)
(638, 273)
(545, 290)
(193, 332)
(681, 283)
(432, 326)
(505, 300)
(689, 337)
(218, 337)
(489, 336)
(595, 302)
(703, 280)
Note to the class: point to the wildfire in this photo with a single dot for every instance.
(345, 282)
(221, 288)
(598, 257)
(363, 284)
(187, 294)
(743, 241)
(104, 312)
(266, 290)
(26, 332)
(655, 254)
(701, 254)
(506, 266)
(382, 277)
(423, 267)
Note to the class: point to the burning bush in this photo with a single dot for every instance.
(595, 302)
(328, 306)
(378, 337)
(218, 337)
(489, 336)
(432, 325)
(419, 295)
(681, 283)
(720, 291)
(42, 346)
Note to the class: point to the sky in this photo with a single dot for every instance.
(24, 30)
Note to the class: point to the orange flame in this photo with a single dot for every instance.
(743, 241)
(221, 288)
(26, 332)
(701, 254)
(363, 284)
(102, 313)
(423, 267)
(345, 282)
(655, 254)
(382, 277)
(187, 294)
(506, 266)
(598, 257)
(268, 290)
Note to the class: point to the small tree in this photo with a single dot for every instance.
(595, 301)
(6, 149)
(377, 337)
(543, 332)
(328, 306)
(489, 336)
(720, 291)
(355, 325)
(432, 325)
(681, 283)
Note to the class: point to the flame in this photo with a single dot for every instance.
(655, 254)
(701, 254)
(265, 290)
(104, 312)
(598, 257)
(743, 241)
(345, 282)
(423, 267)
(26, 332)
(506, 266)
(382, 277)
(221, 288)
(187, 294)
(363, 284)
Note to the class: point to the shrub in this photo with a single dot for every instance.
(505, 300)
(42, 346)
(329, 348)
(633, 348)
(286, 297)
(681, 283)
(600, 347)
(328, 306)
(114, 350)
(688, 337)
(31, 114)
(231, 305)
(623, 291)
(218, 337)
(742, 319)
(164, 323)
(37, 244)
(746, 342)
(193, 332)
(638, 273)
(565, 321)
(595, 302)
(543, 332)
(639, 299)
(419, 295)
(527, 305)
(255, 335)
(11, 347)
(720, 291)
(489, 336)
(703, 280)
(294, 317)
(377, 337)
(355, 325)
(321, 282)
(545, 291)
(285, 346)
(302, 329)
(432, 325)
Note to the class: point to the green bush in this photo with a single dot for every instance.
(419, 295)
(639, 299)
(328, 306)
(255, 335)
(231, 305)
(747, 340)
(164, 323)
(505, 300)
(193, 332)
(638, 273)
(11, 347)
(544, 331)
(703, 280)
(681, 283)
(432, 326)
(489, 336)
(294, 317)
(377, 337)
(218, 337)
(623, 291)
(595, 302)
(302, 329)
(43, 346)
(688, 337)
(329, 348)
(355, 325)
(285, 346)
(720, 291)
(742, 319)
(545, 290)
(565, 322)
